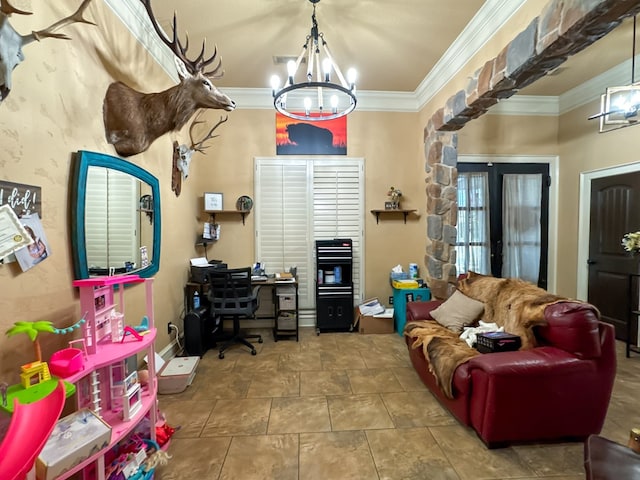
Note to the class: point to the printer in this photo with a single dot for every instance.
(201, 268)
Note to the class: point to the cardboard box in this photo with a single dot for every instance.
(368, 324)
(74, 439)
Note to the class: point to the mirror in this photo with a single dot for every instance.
(115, 217)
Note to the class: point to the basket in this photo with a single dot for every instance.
(497, 342)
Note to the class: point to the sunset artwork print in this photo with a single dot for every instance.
(299, 137)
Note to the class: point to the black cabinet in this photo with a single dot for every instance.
(334, 284)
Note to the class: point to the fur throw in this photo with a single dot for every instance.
(512, 303)
(443, 350)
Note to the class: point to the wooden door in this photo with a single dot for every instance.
(614, 212)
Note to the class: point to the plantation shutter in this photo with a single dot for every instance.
(337, 208)
(299, 201)
(111, 218)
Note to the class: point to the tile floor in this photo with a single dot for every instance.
(349, 406)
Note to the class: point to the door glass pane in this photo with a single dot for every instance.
(521, 213)
(473, 246)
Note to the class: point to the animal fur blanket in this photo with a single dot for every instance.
(442, 348)
(513, 304)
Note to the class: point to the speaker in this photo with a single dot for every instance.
(198, 331)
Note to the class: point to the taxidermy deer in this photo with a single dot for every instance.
(182, 154)
(133, 120)
(11, 42)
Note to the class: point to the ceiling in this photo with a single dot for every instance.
(393, 45)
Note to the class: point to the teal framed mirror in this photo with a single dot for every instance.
(115, 217)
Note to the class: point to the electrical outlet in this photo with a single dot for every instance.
(390, 299)
(169, 326)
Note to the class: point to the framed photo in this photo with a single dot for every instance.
(212, 201)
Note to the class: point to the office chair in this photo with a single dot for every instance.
(232, 295)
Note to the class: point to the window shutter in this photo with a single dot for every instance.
(299, 201)
(111, 229)
(338, 208)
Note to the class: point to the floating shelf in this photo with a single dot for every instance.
(399, 210)
(213, 213)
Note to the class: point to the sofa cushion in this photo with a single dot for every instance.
(458, 311)
(573, 327)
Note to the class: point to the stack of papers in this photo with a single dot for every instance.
(371, 307)
(284, 277)
(388, 313)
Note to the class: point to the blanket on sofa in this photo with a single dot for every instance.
(443, 349)
(513, 304)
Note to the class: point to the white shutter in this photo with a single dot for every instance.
(338, 201)
(95, 220)
(111, 218)
(299, 201)
(282, 209)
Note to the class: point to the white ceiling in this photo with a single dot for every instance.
(393, 45)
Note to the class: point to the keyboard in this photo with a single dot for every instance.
(258, 278)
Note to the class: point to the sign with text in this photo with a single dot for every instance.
(23, 199)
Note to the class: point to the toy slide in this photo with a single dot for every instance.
(30, 427)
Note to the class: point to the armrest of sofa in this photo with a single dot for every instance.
(421, 310)
(571, 326)
(540, 361)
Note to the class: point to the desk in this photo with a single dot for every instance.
(284, 297)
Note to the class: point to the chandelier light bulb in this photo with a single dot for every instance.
(307, 106)
(351, 77)
(334, 103)
(275, 84)
(326, 68)
(291, 70)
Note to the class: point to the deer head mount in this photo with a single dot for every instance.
(11, 42)
(182, 154)
(133, 120)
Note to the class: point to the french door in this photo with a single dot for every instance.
(503, 220)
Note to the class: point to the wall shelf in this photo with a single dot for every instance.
(404, 212)
(213, 213)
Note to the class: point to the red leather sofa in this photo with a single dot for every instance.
(557, 391)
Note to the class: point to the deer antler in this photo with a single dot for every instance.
(193, 66)
(199, 146)
(48, 32)
(8, 9)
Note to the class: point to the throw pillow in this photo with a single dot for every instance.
(458, 311)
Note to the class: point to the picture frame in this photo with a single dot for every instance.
(212, 201)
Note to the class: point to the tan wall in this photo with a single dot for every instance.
(55, 109)
(390, 143)
(509, 135)
(582, 149)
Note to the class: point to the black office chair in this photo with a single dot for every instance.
(232, 295)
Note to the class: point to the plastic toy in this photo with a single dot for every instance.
(66, 362)
(130, 330)
(30, 427)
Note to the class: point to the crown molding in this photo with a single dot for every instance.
(490, 18)
(133, 15)
(592, 89)
(531, 105)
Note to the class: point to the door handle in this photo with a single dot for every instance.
(591, 262)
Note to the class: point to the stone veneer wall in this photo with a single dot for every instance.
(563, 28)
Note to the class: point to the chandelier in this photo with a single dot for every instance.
(320, 98)
(620, 105)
